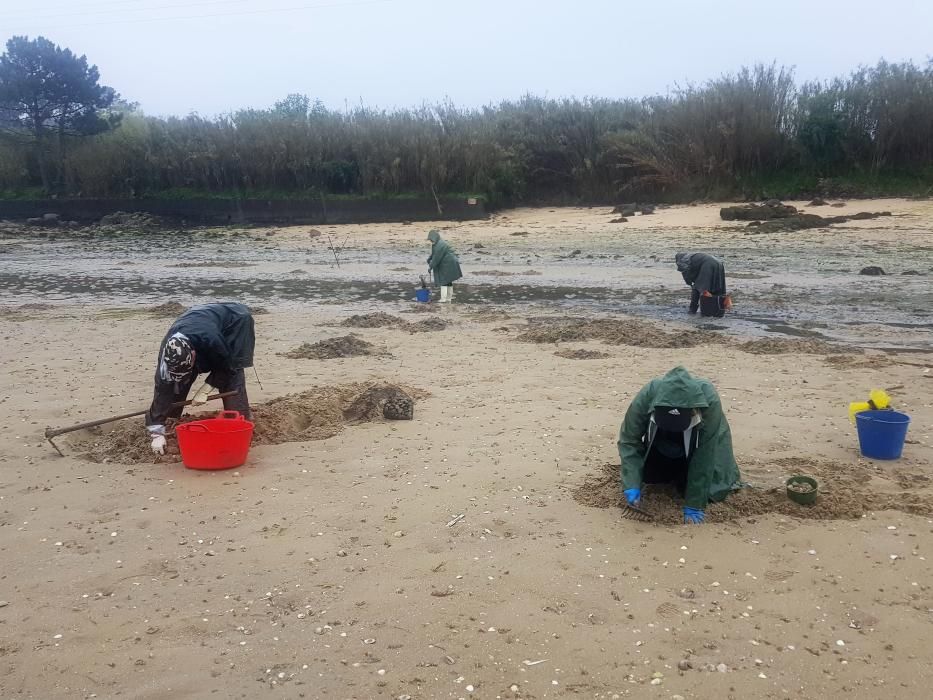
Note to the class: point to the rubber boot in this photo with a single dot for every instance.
(450, 294)
(445, 294)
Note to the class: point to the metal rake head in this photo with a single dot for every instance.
(641, 515)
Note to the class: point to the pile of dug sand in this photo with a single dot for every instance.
(384, 320)
(316, 414)
(12, 312)
(859, 361)
(333, 348)
(615, 332)
(379, 319)
(794, 346)
(505, 273)
(582, 354)
(170, 309)
(427, 325)
(843, 495)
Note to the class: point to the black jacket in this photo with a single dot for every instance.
(703, 272)
(222, 336)
(224, 340)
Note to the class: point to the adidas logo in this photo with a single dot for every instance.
(674, 412)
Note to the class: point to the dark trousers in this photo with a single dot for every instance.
(707, 306)
(235, 381)
(660, 469)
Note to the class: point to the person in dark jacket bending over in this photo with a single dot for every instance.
(706, 276)
(214, 339)
(675, 432)
(444, 265)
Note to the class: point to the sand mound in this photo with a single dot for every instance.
(333, 348)
(505, 273)
(421, 308)
(843, 495)
(170, 309)
(489, 316)
(796, 346)
(427, 325)
(14, 313)
(582, 354)
(614, 332)
(316, 414)
(374, 320)
(859, 361)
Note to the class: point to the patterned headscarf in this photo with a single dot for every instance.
(177, 359)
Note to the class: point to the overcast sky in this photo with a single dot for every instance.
(211, 56)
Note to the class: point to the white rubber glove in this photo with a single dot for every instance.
(158, 444)
(200, 397)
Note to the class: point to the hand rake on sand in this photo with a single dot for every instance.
(630, 512)
(50, 433)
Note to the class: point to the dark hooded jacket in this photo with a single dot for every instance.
(222, 335)
(713, 472)
(443, 261)
(703, 272)
(224, 340)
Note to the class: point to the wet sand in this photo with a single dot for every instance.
(338, 568)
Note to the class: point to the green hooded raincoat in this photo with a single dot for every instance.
(713, 471)
(443, 261)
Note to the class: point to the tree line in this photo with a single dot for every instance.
(751, 133)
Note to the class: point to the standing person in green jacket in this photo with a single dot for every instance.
(444, 265)
(675, 432)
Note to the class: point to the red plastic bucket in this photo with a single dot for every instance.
(215, 443)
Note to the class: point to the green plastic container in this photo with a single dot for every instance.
(804, 499)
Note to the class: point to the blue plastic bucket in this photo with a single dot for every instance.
(881, 434)
(423, 294)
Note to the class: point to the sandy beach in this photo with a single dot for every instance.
(336, 565)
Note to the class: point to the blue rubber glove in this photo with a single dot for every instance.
(633, 496)
(692, 516)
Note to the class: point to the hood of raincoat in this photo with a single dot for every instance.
(434, 236)
(683, 261)
(679, 388)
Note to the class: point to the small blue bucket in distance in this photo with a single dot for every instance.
(881, 434)
(423, 294)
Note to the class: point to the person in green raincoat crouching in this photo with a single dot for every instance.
(675, 432)
(444, 265)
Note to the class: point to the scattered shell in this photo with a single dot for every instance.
(341, 553)
(369, 641)
(469, 688)
(381, 671)
(840, 643)
(722, 668)
(684, 665)
(533, 663)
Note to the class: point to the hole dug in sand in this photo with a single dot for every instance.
(316, 414)
(844, 494)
